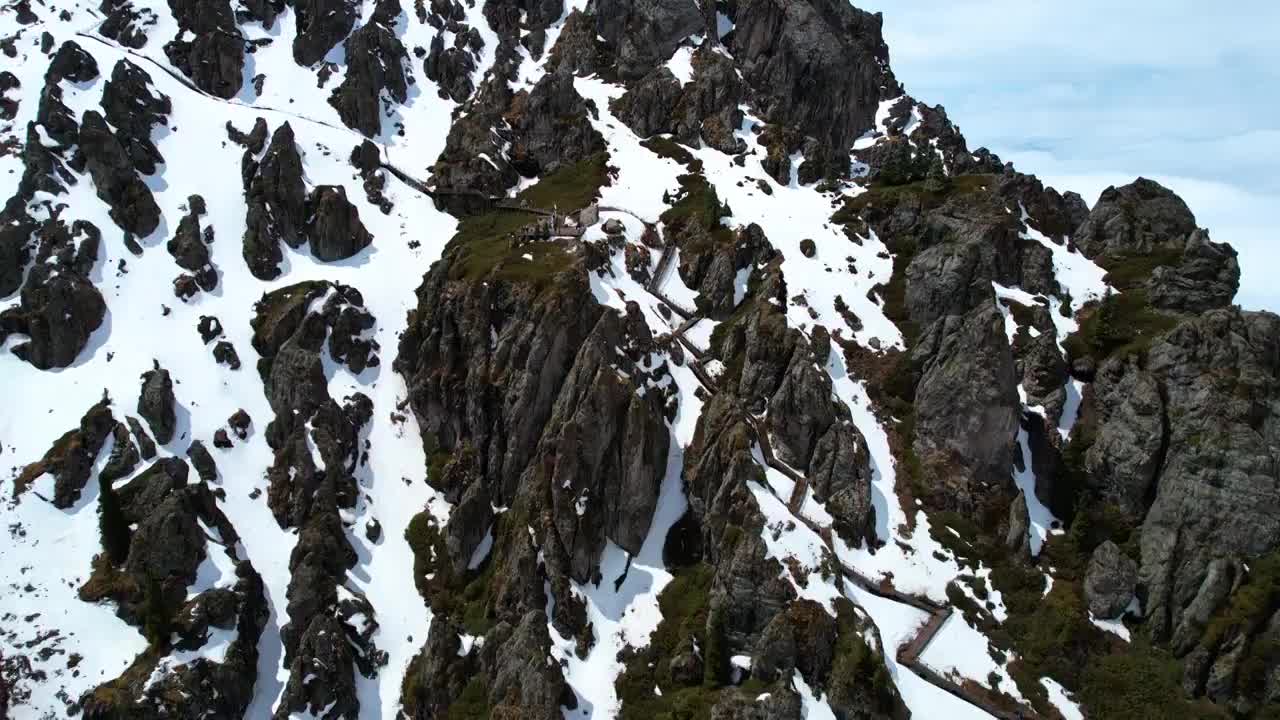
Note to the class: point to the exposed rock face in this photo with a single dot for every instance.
(322, 24)
(150, 590)
(59, 306)
(133, 207)
(1145, 219)
(276, 199)
(317, 447)
(705, 109)
(1110, 581)
(126, 23)
(646, 32)
(375, 65)
(787, 50)
(569, 418)
(214, 56)
(508, 668)
(156, 403)
(124, 455)
(546, 403)
(452, 67)
(538, 132)
(1216, 496)
(967, 409)
(553, 132)
(1207, 276)
(333, 225)
(189, 246)
(1129, 450)
(1137, 218)
(70, 459)
(133, 110)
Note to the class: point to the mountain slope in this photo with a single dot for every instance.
(622, 358)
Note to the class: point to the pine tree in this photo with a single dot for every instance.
(936, 180)
(156, 618)
(112, 523)
(715, 665)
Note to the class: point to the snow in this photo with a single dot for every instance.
(960, 649)
(699, 334)
(812, 707)
(1042, 520)
(681, 64)
(481, 553)
(910, 558)
(1082, 278)
(1062, 700)
(393, 484)
(217, 570)
(616, 287)
(625, 615)
(897, 624)
(50, 553)
(135, 332)
(793, 213)
(214, 650)
(643, 176)
(1114, 626)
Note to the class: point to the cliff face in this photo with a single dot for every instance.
(726, 381)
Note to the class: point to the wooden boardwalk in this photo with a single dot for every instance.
(909, 653)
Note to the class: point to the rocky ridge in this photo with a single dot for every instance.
(735, 384)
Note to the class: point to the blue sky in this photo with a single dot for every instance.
(1094, 92)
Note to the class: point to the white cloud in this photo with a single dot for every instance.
(1094, 93)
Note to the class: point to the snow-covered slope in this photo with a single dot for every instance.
(544, 359)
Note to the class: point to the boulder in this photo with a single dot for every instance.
(133, 208)
(1109, 581)
(333, 225)
(156, 403)
(322, 24)
(277, 209)
(375, 70)
(213, 57)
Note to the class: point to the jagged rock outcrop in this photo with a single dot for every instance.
(189, 246)
(133, 110)
(375, 66)
(59, 306)
(71, 457)
(1190, 273)
(156, 589)
(706, 109)
(541, 401)
(788, 50)
(1216, 494)
(1110, 581)
(213, 57)
(146, 446)
(644, 33)
(452, 67)
(126, 23)
(156, 403)
(552, 131)
(539, 132)
(967, 408)
(124, 455)
(133, 207)
(276, 200)
(333, 226)
(506, 675)
(322, 24)
(1124, 460)
(317, 448)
